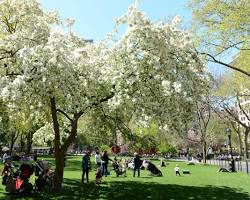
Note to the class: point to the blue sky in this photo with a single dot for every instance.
(94, 19)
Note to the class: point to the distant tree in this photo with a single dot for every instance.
(231, 100)
(223, 27)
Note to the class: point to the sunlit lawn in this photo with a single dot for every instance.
(204, 183)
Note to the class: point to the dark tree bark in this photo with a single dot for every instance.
(29, 138)
(204, 151)
(246, 143)
(60, 150)
(14, 136)
(22, 143)
(58, 178)
(240, 143)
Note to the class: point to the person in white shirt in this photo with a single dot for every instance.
(177, 170)
(5, 156)
(98, 160)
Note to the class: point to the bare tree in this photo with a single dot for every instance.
(13, 137)
(203, 116)
(233, 114)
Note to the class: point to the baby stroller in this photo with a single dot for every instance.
(8, 169)
(154, 171)
(45, 176)
(18, 182)
(118, 169)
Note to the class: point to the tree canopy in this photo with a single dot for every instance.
(153, 66)
(223, 28)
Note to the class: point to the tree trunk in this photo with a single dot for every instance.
(60, 150)
(246, 144)
(11, 146)
(240, 143)
(29, 142)
(58, 153)
(58, 179)
(14, 136)
(21, 143)
(204, 152)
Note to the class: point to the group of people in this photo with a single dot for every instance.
(102, 162)
(101, 165)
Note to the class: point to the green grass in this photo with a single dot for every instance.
(204, 183)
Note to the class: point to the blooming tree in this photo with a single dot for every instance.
(153, 66)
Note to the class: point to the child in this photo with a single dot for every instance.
(177, 170)
(162, 163)
(98, 177)
(124, 167)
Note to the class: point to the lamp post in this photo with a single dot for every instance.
(229, 133)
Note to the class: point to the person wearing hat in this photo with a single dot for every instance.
(137, 164)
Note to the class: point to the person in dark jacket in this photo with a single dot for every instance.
(105, 159)
(86, 166)
(137, 164)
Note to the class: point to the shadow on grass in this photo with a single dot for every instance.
(131, 190)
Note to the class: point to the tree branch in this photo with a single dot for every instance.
(225, 64)
(244, 112)
(65, 114)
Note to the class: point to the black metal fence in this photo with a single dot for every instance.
(240, 165)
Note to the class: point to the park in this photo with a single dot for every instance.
(204, 182)
(160, 90)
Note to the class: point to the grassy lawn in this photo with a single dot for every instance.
(204, 183)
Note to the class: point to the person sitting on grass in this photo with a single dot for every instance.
(177, 170)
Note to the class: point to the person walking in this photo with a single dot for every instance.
(105, 159)
(137, 164)
(177, 170)
(98, 160)
(86, 166)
